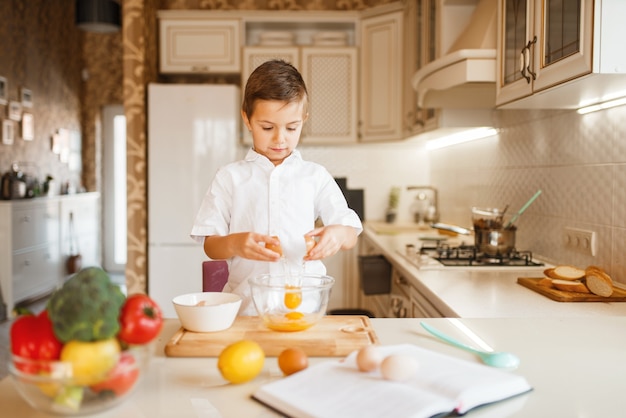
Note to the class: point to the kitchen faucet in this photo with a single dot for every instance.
(425, 210)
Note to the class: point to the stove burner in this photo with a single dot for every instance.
(467, 255)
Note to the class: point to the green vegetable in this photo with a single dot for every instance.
(87, 307)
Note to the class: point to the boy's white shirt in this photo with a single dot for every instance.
(253, 195)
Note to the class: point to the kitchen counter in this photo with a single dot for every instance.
(575, 365)
(489, 292)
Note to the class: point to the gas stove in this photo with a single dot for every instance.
(442, 255)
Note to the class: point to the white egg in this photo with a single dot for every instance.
(368, 358)
(398, 367)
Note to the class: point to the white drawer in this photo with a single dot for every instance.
(35, 272)
(35, 225)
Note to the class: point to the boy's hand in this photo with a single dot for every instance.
(248, 245)
(331, 239)
(255, 246)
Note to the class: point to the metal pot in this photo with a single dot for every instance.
(495, 242)
(490, 235)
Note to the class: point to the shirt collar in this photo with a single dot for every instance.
(252, 156)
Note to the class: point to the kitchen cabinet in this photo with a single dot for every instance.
(34, 252)
(331, 76)
(194, 44)
(387, 104)
(559, 54)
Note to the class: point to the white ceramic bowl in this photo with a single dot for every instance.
(207, 311)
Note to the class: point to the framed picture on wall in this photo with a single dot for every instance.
(4, 91)
(28, 127)
(27, 97)
(8, 132)
(15, 111)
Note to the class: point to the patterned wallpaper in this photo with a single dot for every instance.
(40, 51)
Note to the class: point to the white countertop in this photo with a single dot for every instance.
(487, 293)
(575, 365)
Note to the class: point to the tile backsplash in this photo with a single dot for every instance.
(579, 163)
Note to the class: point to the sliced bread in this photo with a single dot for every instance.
(565, 272)
(598, 281)
(570, 285)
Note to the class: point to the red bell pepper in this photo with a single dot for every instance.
(32, 337)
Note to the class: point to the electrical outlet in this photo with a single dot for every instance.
(580, 240)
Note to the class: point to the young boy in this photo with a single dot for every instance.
(273, 197)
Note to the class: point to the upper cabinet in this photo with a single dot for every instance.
(194, 44)
(357, 64)
(559, 53)
(388, 60)
(331, 77)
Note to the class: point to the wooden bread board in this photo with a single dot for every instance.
(619, 295)
(333, 336)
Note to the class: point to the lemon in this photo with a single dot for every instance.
(241, 361)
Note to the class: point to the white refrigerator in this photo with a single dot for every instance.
(193, 129)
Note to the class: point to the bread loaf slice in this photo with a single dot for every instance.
(570, 285)
(598, 281)
(567, 273)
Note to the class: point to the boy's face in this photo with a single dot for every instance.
(276, 127)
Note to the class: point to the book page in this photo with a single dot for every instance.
(441, 384)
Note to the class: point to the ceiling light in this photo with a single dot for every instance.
(601, 106)
(102, 16)
(461, 137)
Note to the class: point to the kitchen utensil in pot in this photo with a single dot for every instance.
(523, 208)
(498, 359)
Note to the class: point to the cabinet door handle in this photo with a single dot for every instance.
(528, 69)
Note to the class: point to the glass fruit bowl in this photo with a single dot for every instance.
(291, 302)
(56, 387)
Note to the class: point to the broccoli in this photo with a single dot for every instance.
(87, 307)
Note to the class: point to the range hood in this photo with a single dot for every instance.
(465, 77)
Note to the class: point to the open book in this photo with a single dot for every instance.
(441, 385)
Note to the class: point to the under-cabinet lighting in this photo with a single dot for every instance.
(601, 106)
(461, 137)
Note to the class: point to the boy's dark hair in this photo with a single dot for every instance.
(274, 80)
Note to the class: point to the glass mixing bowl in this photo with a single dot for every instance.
(291, 302)
(51, 387)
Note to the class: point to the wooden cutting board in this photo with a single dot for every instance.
(333, 336)
(619, 295)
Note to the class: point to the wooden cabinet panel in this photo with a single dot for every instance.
(381, 115)
(199, 46)
(331, 78)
